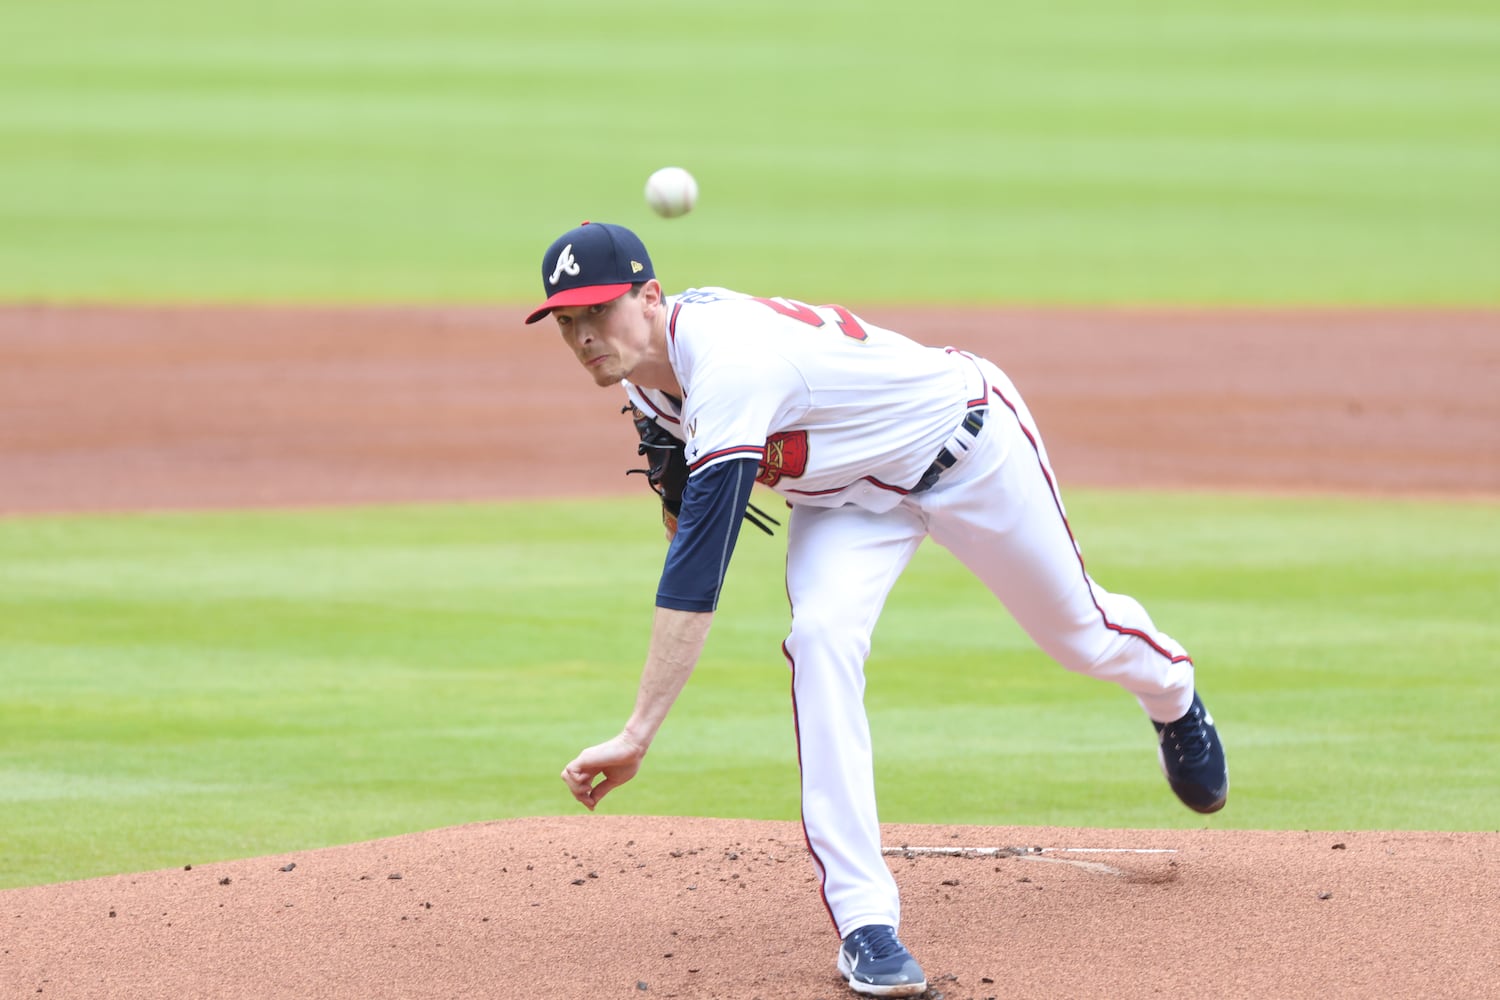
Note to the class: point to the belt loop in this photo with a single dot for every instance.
(973, 423)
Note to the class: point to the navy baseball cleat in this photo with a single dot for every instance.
(1192, 758)
(878, 965)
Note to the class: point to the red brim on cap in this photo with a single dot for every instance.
(588, 295)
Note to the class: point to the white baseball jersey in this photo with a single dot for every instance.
(837, 410)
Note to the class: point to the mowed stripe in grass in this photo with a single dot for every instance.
(1180, 151)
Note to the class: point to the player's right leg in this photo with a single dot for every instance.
(841, 564)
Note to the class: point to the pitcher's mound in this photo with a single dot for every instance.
(616, 906)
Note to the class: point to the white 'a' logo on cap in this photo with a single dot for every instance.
(565, 263)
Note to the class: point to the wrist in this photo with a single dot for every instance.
(638, 737)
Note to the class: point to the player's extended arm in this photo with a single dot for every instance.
(677, 639)
(685, 603)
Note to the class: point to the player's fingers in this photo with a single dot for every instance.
(579, 783)
(602, 789)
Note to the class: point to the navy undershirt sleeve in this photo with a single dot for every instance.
(713, 506)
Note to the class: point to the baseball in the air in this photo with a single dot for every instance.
(671, 192)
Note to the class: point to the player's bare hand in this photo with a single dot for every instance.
(616, 760)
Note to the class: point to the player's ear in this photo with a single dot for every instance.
(651, 295)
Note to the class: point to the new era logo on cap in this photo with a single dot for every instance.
(592, 263)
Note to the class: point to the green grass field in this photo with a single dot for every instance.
(180, 688)
(192, 687)
(1165, 151)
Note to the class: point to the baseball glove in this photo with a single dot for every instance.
(667, 472)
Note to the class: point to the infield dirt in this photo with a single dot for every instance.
(110, 409)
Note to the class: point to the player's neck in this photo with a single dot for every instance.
(653, 375)
(654, 370)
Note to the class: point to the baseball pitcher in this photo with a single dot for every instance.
(876, 442)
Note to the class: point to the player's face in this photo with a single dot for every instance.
(608, 339)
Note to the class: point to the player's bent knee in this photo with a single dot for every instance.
(825, 633)
(1086, 652)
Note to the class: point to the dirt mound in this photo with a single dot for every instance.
(605, 906)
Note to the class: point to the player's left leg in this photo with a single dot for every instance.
(999, 512)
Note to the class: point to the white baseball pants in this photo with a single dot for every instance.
(998, 511)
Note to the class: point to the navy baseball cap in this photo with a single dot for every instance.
(592, 263)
